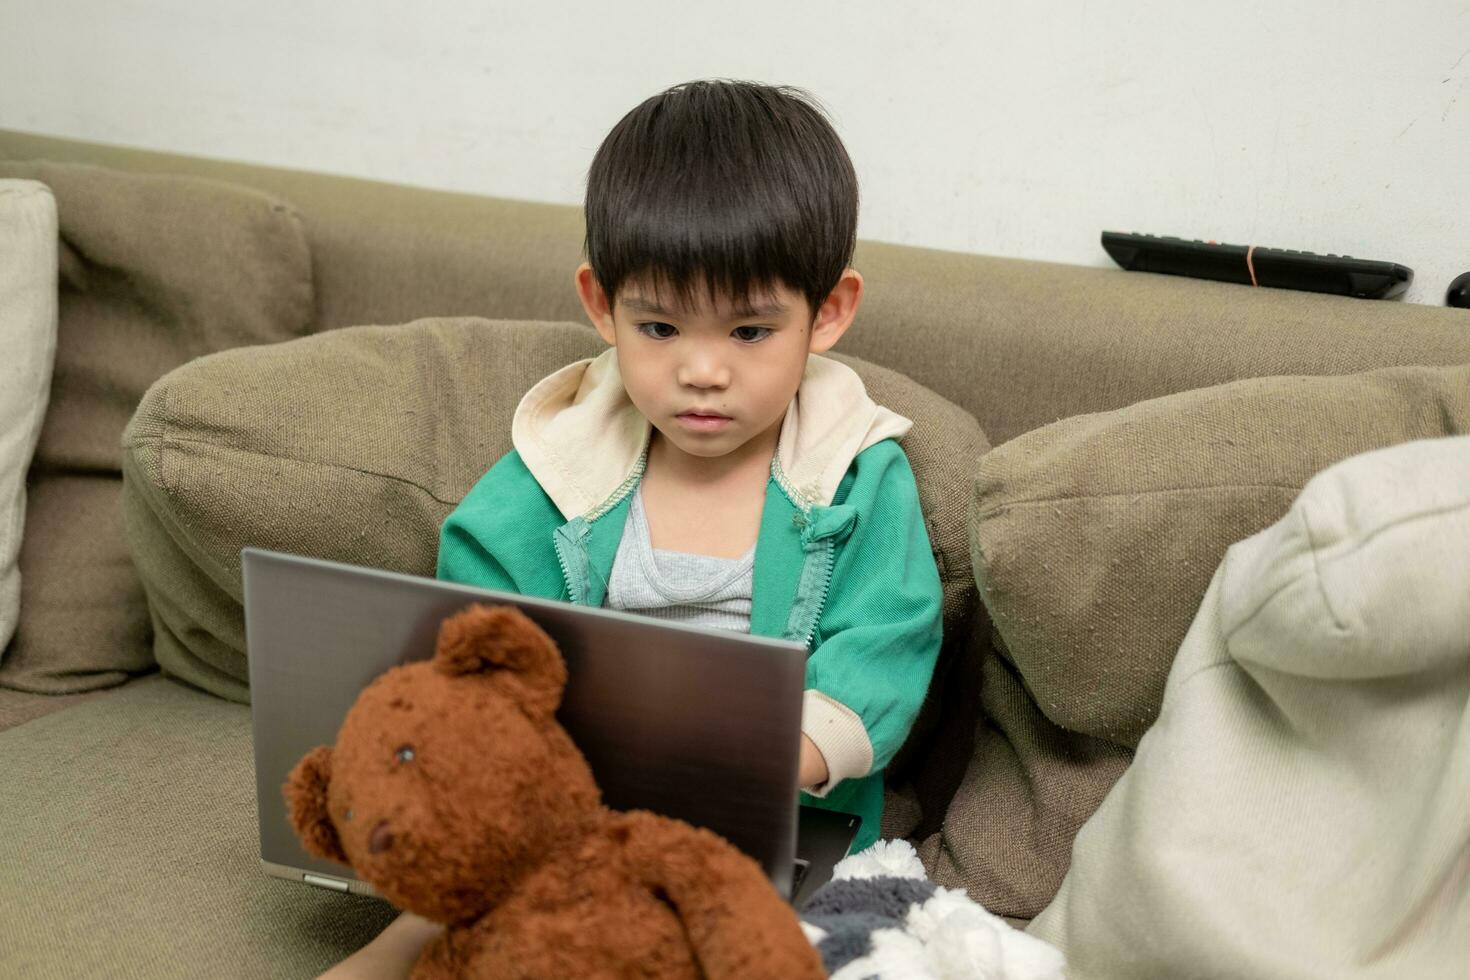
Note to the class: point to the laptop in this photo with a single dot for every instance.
(639, 703)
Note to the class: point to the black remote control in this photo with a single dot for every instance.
(1282, 268)
(1459, 292)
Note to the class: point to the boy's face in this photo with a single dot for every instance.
(716, 379)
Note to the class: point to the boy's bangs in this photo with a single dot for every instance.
(700, 262)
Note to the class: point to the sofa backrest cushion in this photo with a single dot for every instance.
(1095, 537)
(154, 272)
(354, 445)
(1300, 803)
(1017, 343)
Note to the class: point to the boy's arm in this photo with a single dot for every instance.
(392, 955)
(812, 770)
(880, 631)
(464, 558)
(480, 528)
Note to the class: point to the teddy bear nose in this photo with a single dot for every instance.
(381, 838)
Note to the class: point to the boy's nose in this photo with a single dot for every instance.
(703, 372)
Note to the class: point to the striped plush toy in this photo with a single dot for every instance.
(880, 916)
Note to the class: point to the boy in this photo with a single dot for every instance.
(707, 467)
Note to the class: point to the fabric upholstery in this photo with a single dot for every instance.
(18, 707)
(352, 445)
(1021, 344)
(1094, 539)
(130, 849)
(1299, 807)
(155, 271)
(1016, 343)
(28, 336)
(1007, 830)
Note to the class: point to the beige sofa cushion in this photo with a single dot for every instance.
(1299, 808)
(1016, 343)
(131, 849)
(1096, 536)
(28, 338)
(351, 445)
(155, 271)
(1094, 541)
(355, 444)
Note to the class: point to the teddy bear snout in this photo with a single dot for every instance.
(381, 838)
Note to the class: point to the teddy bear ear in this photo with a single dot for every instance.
(504, 642)
(306, 800)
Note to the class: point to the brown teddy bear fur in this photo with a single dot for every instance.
(454, 791)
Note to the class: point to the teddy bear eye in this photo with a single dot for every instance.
(347, 816)
(404, 753)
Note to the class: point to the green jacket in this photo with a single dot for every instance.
(842, 563)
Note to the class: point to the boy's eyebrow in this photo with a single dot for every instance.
(640, 305)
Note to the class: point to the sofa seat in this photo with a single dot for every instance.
(19, 707)
(158, 801)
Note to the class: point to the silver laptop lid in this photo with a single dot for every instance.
(694, 723)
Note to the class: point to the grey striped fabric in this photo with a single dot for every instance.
(698, 589)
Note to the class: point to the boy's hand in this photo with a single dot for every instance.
(813, 768)
(393, 954)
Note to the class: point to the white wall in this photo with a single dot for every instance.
(1020, 128)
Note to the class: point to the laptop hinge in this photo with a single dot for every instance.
(322, 881)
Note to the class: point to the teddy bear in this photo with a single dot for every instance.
(455, 792)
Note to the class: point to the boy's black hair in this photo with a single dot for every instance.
(733, 185)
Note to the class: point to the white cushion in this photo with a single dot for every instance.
(27, 352)
(1301, 808)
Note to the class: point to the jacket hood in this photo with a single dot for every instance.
(584, 440)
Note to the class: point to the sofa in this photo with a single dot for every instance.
(1090, 443)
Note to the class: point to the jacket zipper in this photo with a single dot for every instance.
(828, 561)
(816, 581)
(562, 539)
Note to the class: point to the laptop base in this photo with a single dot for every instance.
(822, 839)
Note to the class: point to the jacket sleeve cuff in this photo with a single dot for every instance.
(839, 734)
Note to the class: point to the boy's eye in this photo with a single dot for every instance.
(652, 330)
(749, 339)
(663, 331)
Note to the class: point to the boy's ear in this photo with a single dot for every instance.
(837, 312)
(594, 301)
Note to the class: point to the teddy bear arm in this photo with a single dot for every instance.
(736, 922)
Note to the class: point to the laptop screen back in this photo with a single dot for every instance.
(698, 724)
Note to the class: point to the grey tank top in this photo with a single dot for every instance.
(687, 588)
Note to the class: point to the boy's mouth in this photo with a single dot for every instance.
(703, 423)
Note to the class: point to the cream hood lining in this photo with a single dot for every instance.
(582, 437)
